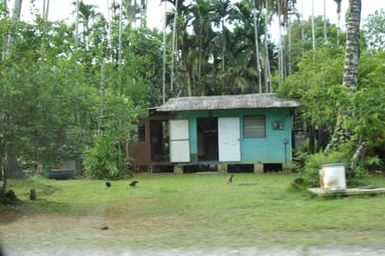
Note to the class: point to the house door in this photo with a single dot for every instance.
(229, 139)
(179, 141)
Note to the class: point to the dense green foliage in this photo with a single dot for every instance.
(62, 93)
(57, 98)
(317, 85)
(105, 159)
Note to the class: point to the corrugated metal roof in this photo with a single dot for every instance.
(260, 100)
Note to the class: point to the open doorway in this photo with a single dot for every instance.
(159, 133)
(207, 130)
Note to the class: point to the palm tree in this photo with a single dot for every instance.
(220, 12)
(350, 77)
(350, 80)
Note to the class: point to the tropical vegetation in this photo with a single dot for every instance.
(73, 90)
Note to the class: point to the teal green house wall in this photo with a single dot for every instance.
(270, 149)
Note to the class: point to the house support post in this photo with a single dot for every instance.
(258, 168)
(222, 168)
(178, 169)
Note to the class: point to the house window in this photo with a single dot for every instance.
(254, 127)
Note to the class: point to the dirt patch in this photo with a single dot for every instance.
(91, 230)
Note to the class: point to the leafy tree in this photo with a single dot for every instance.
(374, 30)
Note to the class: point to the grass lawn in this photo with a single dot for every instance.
(189, 211)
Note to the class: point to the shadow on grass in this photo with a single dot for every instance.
(247, 184)
(10, 213)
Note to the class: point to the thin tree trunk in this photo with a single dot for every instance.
(15, 18)
(5, 37)
(280, 55)
(325, 27)
(45, 19)
(267, 60)
(120, 34)
(77, 26)
(257, 48)
(143, 13)
(46, 9)
(289, 45)
(312, 24)
(338, 2)
(164, 54)
(223, 45)
(173, 47)
(338, 28)
(302, 30)
(358, 154)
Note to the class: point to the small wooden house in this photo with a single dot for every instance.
(253, 130)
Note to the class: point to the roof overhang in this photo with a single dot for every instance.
(245, 101)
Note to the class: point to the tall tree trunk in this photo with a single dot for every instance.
(120, 34)
(143, 14)
(256, 34)
(15, 18)
(280, 53)
(173, 47)
(223, 45)
(312, 24)
(350, 77)
(5, 37)
(289, 45)
(45, 29)
(325, 25)
(302, 30)
(267, 59)
(223, 54)
(77, 26)
(17, 10)
(164, 53)
(338, 2)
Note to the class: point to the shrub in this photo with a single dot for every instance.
(105, 160)
(313, 163)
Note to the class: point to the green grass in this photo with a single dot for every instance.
(202, 210)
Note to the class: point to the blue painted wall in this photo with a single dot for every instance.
(270, 149)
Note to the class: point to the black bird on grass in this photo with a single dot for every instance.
(133, 183)
(108, 184)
